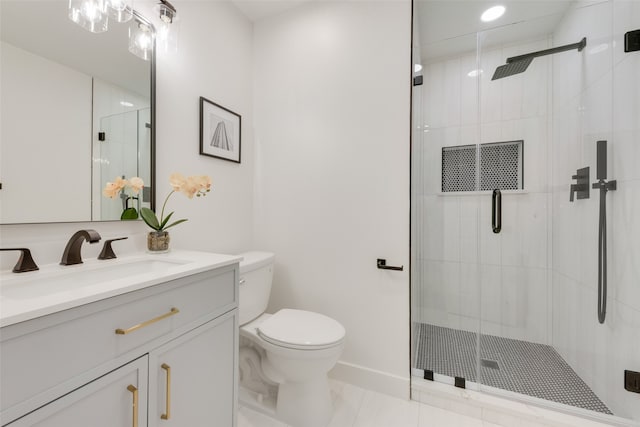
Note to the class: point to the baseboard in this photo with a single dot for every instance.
(371, 379)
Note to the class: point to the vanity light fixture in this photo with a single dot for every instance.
(492, 13)
(120, 10)
(89, 14)
(167, 32)
(140, 39)
(93, 15)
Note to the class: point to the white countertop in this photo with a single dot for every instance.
(53, 288)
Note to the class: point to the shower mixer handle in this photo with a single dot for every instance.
(581, 188)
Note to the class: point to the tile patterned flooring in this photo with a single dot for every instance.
(524, 367)
(357, 407)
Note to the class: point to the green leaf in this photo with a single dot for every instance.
(180, 221)
(166, 220)
(150, 218)
(129, 213)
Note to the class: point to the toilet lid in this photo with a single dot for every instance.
(301, 329)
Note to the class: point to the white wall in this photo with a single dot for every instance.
(597, 98)
(502, 278)
(214, 60)
(46, 123)
(332, 174)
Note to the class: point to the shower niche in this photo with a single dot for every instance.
(500, 167)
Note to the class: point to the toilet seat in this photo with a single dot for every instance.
(300, 329)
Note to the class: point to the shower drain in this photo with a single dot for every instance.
(488, 363)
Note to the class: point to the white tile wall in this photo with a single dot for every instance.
(509, 110)
(598, 98)
(626, 250)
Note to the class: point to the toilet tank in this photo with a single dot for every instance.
(256, 274)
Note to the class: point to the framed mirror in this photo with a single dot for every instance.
(77, 111)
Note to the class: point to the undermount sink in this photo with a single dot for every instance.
(53, 288)
(55, 279)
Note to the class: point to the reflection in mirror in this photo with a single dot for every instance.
(76, 112)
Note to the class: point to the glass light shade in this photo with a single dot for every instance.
(119, 10)
(140, 39)
(167, 36)
(168, 28)
(89, 14)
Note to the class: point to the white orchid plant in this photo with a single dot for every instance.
(196, 185)
(112, 189)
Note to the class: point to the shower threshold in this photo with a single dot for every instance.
(520, 366)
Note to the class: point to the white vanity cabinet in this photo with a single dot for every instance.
(173, 345)
(186, 388)
(114, 400)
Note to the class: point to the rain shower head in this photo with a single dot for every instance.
(519, 64)
(511, 68)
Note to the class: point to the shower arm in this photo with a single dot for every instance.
(580, 45)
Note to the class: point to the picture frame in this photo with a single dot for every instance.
(220, 131)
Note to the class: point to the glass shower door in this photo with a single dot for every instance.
(515, 116)
(540, 331)
(445, 209)
(507, 284)
(119, 157)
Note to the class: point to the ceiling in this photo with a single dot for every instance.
(449, 27)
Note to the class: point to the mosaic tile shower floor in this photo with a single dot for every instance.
(523, 367)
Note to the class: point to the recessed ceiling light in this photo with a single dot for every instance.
(492, 13)
(474, 73)
(417, 68)
(126, 104)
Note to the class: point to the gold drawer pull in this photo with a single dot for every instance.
(168, 400)
(148, 322)
(134, 390)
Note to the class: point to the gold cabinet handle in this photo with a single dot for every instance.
(168, 399)
(134, 390)
(147, 323)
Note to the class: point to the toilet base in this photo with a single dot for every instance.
(305, 404)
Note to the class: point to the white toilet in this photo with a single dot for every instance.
(293, 350)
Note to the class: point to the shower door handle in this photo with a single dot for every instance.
(496, 211)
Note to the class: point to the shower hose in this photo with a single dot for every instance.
(602, 257)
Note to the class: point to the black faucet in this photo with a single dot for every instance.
(107, 250)
(71, 253)
(25, 262)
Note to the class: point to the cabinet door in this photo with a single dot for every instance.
(117, 399)
(193, 379)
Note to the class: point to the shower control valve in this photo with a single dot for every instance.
(582, 186)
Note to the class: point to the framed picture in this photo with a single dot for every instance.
(219, 131)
